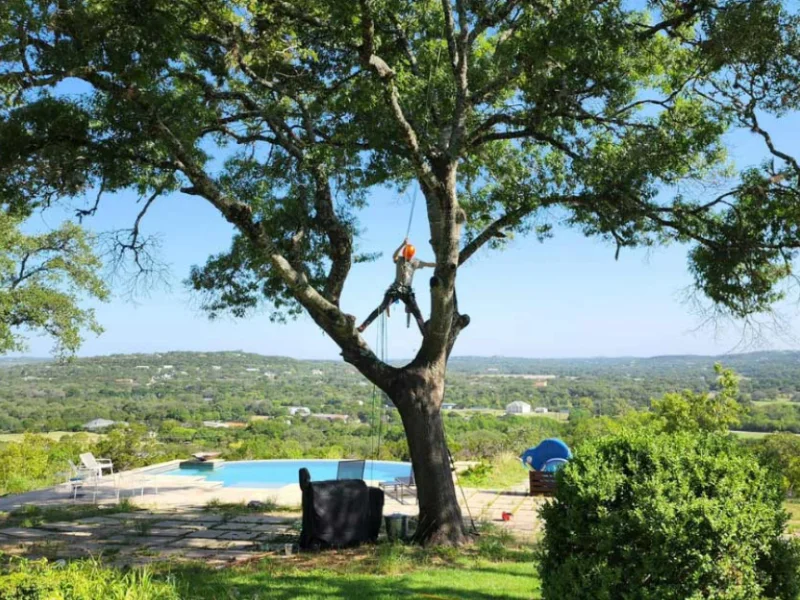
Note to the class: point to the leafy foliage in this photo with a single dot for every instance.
(37, 461)
(85, 580)
(667, 516)
(592, 108)
(42, 279)
(710, 412)
(783, 451)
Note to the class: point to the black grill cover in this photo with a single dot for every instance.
(337, 514)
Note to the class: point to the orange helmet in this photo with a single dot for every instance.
(409, 251)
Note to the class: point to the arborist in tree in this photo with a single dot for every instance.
(401, 288)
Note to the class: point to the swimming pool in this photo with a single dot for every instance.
(278, 473)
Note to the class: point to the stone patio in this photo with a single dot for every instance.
(143, 537)
(174, 525)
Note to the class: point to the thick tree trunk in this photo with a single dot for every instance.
(418, 396)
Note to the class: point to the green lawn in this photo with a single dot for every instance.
(793, 508)
(503, 472)
(778, 400)
(493, 568)
(750, 435)
(475, 579)
(53, 435)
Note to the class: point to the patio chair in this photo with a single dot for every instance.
(350, 469)
(141, 482)
(97, 464)
(79, 478)
(401, 485)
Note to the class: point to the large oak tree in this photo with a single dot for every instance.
(605, 115)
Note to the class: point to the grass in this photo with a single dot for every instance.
(793, 508)
(492, 568)
(33, 516)
(82, 580)
(477, 579)
(386, 571)
(750, 435)
(755, 435)
(237, 509)
(53, 435)
(499, 412)
(504, 471)
(778, 400)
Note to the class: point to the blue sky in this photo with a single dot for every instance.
(567, 297)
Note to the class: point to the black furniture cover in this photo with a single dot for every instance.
(337, 514)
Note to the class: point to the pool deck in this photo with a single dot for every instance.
(181, 528)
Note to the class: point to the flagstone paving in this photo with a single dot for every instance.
(192, 534)
(133, 538)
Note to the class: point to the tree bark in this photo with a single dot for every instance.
(418, 395)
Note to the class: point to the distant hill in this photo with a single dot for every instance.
(7, 361)
(744, 363)
(39, 394)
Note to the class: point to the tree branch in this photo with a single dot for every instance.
(450, 34)
(386, 76)
(462, 81)
(510, 218)
(338, 234)
(689, 10)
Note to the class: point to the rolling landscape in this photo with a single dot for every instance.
(40, 395)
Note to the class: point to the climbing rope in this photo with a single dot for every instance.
(461, 487)
(411, 215)
(376, 431)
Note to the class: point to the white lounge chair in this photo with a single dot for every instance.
(80, 478)
(97, 464)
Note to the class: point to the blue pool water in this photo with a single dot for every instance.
(278, 473)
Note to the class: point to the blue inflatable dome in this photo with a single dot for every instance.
(549, 449)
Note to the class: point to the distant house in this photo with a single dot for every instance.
(251, 370)
(540, 410)
(299, 411)
(142, 367)
(448, 406)
(540, 383)
(125, 381)
(215, 367)
(518, 408)
(331, 417)
(317, 372)
(96, 424)
(168, 367)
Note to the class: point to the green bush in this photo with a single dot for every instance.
(649, 516)
(82, 580)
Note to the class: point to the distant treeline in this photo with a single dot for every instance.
(191, 387)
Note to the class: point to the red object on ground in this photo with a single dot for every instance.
(507, 516)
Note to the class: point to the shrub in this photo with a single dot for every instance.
(82, 580)
(666, 517)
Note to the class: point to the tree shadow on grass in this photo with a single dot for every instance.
(276, 583)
